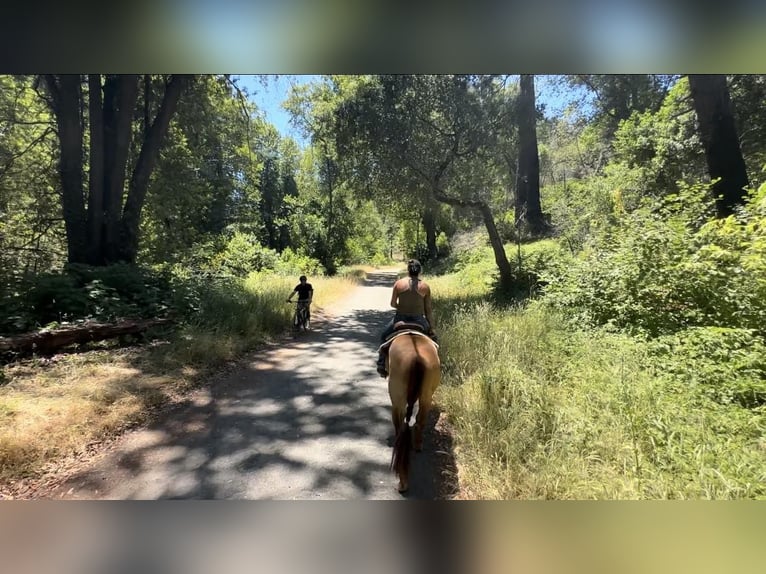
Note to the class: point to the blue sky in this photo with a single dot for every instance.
(269, 93)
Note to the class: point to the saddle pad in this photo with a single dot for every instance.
(398, 334)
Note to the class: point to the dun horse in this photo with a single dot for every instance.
(414, 374)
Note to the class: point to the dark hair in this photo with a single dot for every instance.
(302, 278)
(413, 267)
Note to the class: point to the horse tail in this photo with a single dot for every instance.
(400, 458)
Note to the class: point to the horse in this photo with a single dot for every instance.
(414, 374)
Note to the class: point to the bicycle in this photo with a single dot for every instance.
(302, 317)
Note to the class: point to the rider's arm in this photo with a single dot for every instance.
(290, 298)
(395, 297)
(311, 296)
(429, 310)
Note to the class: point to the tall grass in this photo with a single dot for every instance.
(542, 410)
(52, 409)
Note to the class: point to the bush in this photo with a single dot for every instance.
(82, 292)
(669, 266)
(442, 244)
(728, 365)
(243, 254)
(292, 263)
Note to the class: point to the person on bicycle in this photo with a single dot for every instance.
(305, 294)
(412, 300)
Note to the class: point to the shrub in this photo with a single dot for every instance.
(669, 266)
(293, 263)
(728, 365)
(243, 254)
(83, 292)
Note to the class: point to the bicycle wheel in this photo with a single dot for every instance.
(297, 320)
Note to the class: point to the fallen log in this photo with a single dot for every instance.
(46, 341)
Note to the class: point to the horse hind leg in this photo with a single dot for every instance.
(397, 417)
(424, 408)
(425, 403)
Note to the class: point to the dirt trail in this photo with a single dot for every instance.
(305, 419)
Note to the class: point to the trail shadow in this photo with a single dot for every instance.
(433, 471)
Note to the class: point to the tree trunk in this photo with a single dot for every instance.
(66, 97)
(501, 259)
(96, 177)
(503, 266)
(719, 138)
(120, 95)
(429, 224)
(147, 101)
(107, 233)
(528, 174)
(147, 158)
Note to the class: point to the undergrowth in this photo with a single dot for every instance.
(637, 373)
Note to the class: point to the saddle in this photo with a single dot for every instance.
(405, 328)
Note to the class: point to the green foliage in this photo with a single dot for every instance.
(242, 255)
(372, 237)
(616, 96)
(542, 409)
(31, 228)
(661, 148)
(83, 292)
(748, 95)
(296, 264)
(667, 267)
(443, 244)
(728, 365)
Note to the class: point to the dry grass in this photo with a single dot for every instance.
(51, 409)
(60, 408)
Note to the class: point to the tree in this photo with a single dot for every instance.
(617, 96)
(748, 95)
(432, 135)
(31, 227)
(312, 108)
(719, 138)
(107, 230)
(528, 173)
(206, 179)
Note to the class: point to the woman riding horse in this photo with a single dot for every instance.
(415, 370)
(412, 300)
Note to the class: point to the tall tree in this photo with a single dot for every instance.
(528, 173)
(720, 140)
(429, 133)
(32, 235)
(312, 108)
(617, 96)
(107, 230)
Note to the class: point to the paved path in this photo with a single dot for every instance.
(306, 419)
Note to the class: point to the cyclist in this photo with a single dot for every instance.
(305, 294)
(411, 298)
